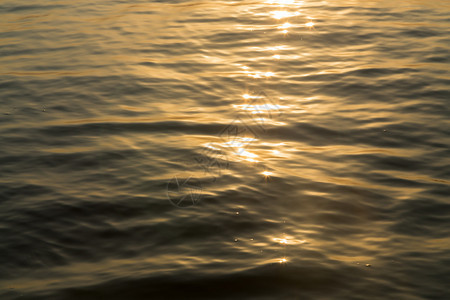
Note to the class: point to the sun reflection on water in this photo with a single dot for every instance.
(310, 24)
(258, 74)
(257, 109)
(267, 173)
(247, 96)
(282, 14)
(285, 26)
(288, 240)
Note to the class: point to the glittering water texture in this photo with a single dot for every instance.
(224, 149)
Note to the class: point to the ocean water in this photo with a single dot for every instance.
(224, 149)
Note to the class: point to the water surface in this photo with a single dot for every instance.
(224, 149)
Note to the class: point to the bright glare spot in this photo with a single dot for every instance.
(239, 144)
(289, 241)
(277, 48)
(248, 139)
(285, 31)
(269, 74)
(310, 24)
(256, 75)
(285, 25)
(281, 241)
(247, 96)
(267, 173)
(281, 14)
(276, 56)
(211, 147)
(283, 260)
(259, 108)
(247, 154)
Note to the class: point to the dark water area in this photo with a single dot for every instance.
(224, 149)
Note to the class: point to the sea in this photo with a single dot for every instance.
(253, 149)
